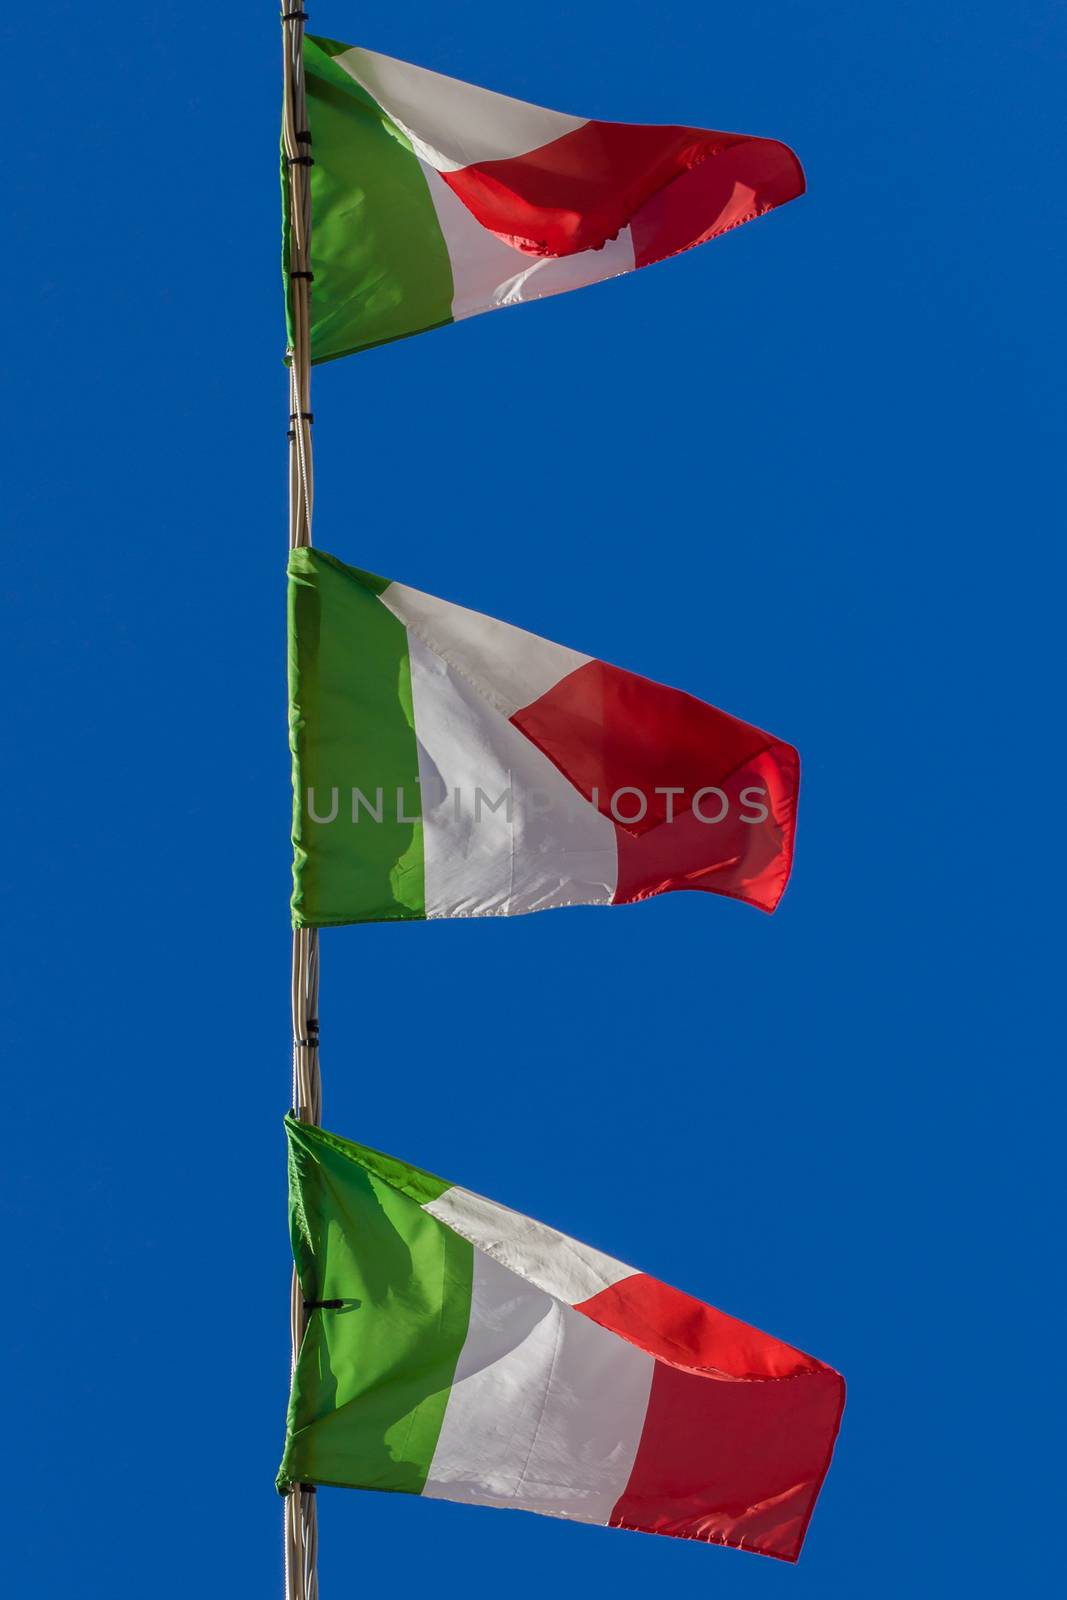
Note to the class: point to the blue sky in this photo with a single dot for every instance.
(810, 473)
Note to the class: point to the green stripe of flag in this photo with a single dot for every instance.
(351, 727)
(380, 261)
(373, 1378)
(421, 1186)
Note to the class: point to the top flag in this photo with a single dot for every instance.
(433, 200)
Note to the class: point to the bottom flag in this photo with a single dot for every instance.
(460, 1350)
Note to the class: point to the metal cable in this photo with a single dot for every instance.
(300, 1521)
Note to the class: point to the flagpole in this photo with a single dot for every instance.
(301, 1522)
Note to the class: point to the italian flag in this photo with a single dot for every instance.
(447, 764)
(433, 200)
(461, 1351)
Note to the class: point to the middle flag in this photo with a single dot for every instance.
(447, 764)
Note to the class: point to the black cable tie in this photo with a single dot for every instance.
(313, 1022)
(307, 1488)
(300, 273)
(323, 1305)
(294, 16)
(300, 161)
(304, 136)
(313, 1027)
(313, 1042)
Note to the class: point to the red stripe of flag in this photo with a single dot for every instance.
(677, 187)
(739, 1430)
(610, 731)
